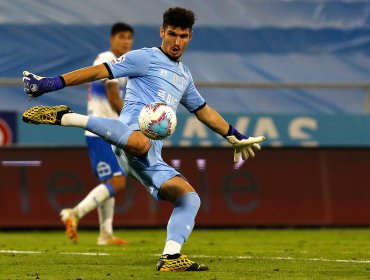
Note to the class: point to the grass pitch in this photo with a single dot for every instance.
(230, 254)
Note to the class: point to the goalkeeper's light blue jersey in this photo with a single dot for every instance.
(154, 77)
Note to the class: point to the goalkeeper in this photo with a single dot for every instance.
(154, 75)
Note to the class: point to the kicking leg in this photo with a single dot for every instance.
(112, 131)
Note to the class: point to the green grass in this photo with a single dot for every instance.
(268, 254)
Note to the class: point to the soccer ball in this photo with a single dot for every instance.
(157, 121)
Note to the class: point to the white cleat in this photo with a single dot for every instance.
(108, 239)
(69, 218)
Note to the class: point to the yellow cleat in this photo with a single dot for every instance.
(70, 220)
(178, 262)
(46, 114)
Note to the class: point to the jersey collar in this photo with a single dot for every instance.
(174, 60)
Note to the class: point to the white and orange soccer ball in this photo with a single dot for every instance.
(157, 121)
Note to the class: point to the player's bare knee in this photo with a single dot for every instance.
(137, 144)
(118, 182)
(175, 188)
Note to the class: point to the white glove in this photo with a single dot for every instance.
(245, 147)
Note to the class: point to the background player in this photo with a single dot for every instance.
(151, 71)
(104, 100)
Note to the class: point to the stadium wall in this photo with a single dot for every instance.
(234, 40)
(288, 130)
(280, 187)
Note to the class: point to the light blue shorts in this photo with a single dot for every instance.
(149, 169)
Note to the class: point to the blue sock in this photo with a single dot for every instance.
(181, 222)
(111, 190)
(113, 131)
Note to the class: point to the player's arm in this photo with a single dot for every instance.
(134, 63)
(35, 85)
(86, 75)
(243, 145)
(113, 94)
(213, 120)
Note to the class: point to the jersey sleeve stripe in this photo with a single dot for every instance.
(109, 70)
(200, 107)
(63, 81)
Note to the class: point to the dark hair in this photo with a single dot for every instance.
(120, 27)
(178, 17)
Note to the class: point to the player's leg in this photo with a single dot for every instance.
(106, 214)
(116, 133)
(113, 131)
(164, 182)
(180, 225)
(186, 204)
(71, 216)
(106, 168)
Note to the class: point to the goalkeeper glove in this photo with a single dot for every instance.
(35, 85)
(242, 144)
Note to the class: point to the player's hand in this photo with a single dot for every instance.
(243, 146)
(36, 85)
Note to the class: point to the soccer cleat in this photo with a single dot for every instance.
(111, 240)
(46, 114)
(70, 220)
(178, 262)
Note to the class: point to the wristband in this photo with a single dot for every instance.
(234, 132)
(52, 84)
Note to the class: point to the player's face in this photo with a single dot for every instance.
(175, 40)
(121, 42)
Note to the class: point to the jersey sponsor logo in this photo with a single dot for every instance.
(168, 98)
(161, 94)
(6, 134)
(119, 59)
(171, 101)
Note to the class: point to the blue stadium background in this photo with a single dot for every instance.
(234, 41)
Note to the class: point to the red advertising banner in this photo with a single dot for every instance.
(280, 187)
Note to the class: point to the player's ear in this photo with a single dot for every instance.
(161, 32)
(190, 34)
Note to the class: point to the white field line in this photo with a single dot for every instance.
(282, 258)
(61, 253)
(20, 252)
(199, 256)
(85, 253)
